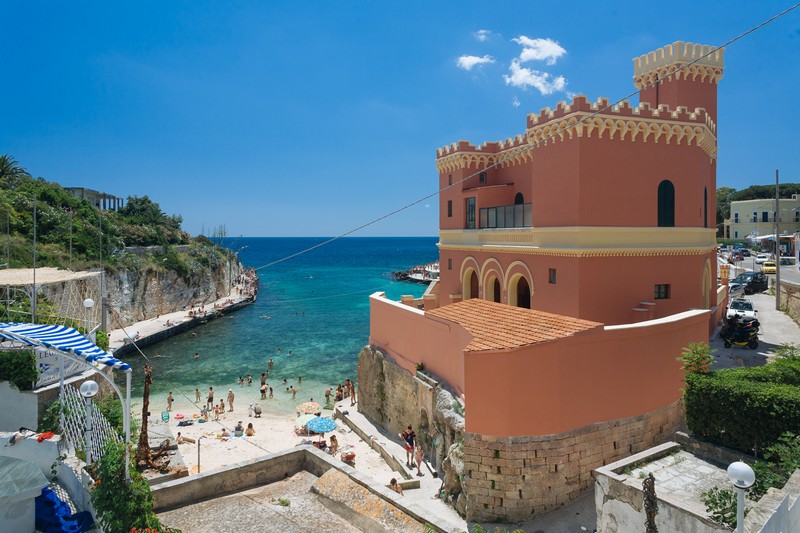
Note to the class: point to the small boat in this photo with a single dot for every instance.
(422, 273)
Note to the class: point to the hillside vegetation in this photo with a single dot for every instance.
(726, 195)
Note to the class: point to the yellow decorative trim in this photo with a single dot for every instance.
(633, 127)
(583, 241)
(677, 53)
(692, 72)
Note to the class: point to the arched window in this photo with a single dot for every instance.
(666, 204)
(496, 288)
(519, 199)
(705, 207)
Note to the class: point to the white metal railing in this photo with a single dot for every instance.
(74, 428)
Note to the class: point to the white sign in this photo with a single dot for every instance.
(50, 367)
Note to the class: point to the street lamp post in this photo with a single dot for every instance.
(742, 477)
(88, 303)
(88, 391)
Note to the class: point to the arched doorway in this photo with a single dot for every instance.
(519, 292)
(492, 291)
(470, 284)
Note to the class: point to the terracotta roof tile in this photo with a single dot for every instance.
(497, 326)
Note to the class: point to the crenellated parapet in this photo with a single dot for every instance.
(662, 63)
(512, 151)
(584, 119)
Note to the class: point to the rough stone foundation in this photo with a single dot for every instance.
(502, 478)
(512, 478)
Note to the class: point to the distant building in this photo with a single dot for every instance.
(754, 218)
(576, 261)
(101, 200)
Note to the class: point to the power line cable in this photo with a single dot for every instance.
(533, 145)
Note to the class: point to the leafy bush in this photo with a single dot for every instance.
(696, 358)
(19, 368)
(720, 505)
(122, 506)
(102, 340)
(747, 409)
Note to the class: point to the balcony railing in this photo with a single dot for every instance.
(507, 216)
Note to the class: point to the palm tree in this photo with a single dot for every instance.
(10, 172)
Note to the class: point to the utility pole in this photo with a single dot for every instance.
(777, 246)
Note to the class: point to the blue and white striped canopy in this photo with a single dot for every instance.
(60, 338)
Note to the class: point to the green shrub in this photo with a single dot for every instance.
(747, 409)
(696, 358)
(122, 506)
(720, 505)
(20, 368)
(101, 340)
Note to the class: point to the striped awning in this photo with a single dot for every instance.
(60, 338)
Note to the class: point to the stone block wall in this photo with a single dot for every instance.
(512, 478)
(790, 300)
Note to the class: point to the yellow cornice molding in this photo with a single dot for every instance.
(583, 241)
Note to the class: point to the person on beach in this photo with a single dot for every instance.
(418, 457)
(197, 355)
(409, 439)
(250, 431)
(170, 399)
(216, 413)
(249, 379)
(395, 486)
(294, 391)
(271, 363)
(264, 391)
(263, 378)
(339, 394)
(240, 381)
(180, 439)
(346, 391)
(231, 396)
(270, 393)
(250, 411)
(196, 395)
(239, 427)
(300, 379)
(334, 446)
(352, 393)
(328, 392)
(210, 400)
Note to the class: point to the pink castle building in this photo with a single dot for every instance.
(577, 260)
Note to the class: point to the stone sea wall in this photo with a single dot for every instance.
(491, 478)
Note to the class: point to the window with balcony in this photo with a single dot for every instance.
(470, 213)
(507, 216)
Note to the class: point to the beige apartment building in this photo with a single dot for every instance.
(753, 218)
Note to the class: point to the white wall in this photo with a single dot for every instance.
(17, 409)
(43, 454)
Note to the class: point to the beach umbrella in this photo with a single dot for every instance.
(321, 424)
(302, 420)
(309, 407)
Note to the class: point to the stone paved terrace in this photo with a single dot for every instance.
(681, 476)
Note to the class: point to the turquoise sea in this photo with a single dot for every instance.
(315, 305)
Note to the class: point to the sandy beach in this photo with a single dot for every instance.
(272, 433)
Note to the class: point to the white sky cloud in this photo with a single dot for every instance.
(482, 35)
(525, 77)
(467, 62)
(539, 50)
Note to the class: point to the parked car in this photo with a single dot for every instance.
(745, 252)
(735, 290)
(753, 282)
(741, 307)
(769, 267)
(762, 258)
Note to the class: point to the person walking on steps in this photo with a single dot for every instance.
(409, 439)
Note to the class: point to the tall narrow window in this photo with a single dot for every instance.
(552, 276)
(666, 204)
(449, 208)
(496, 289)
(765, 216)
(755, 216)
(519, 199)
(736, 218)
(482, 177)
(470, 221)
(705, 207)
(450, 179)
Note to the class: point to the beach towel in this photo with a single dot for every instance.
(54, 515)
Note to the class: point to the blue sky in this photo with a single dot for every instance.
(312, 118)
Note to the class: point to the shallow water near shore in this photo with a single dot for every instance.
(315, 306)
